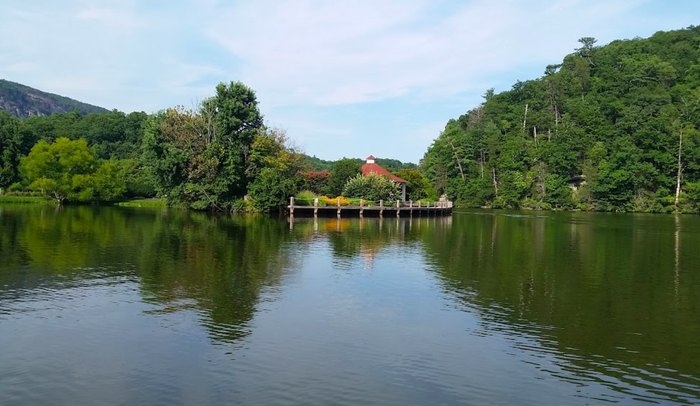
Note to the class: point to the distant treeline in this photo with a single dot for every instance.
(219, 156)
(610, 128)
(392, 165)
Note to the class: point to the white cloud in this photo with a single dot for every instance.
(117, 54)
(121, 19)
(319, 68)
(355, 52)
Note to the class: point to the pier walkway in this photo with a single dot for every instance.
(396, 208)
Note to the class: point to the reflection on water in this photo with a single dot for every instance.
(600, 292)
(112, 305)
(180, 259)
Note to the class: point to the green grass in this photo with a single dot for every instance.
(154, 202)
(27, 200)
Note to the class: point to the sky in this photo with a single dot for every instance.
(342, 78)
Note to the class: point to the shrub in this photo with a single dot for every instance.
(270, 189)
(15, 187)
(305, 198)
(333, 201)
(371, 187)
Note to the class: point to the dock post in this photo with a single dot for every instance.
(315, 206)
(381, 208)
(410, 206)
(398, 208)
(362, 207)
(338, 206)
(291, 205)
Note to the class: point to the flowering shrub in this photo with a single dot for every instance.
(333, 201)
(316, 182)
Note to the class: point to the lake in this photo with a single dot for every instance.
(151, 306)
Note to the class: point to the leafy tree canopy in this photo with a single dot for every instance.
(343, 170)
(67, 169)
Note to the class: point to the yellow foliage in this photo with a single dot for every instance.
(333, 201)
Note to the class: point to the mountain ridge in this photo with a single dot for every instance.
(24, 101)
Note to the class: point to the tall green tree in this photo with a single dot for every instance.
(273, 165)
(200, 158)
(10, 149)
(342, 171)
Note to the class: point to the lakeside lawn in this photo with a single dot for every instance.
(42, 200)
(27, 200)
(149, 202)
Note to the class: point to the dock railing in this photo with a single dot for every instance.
(356, 205)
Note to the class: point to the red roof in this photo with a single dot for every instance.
(376, 169)
(371, 157)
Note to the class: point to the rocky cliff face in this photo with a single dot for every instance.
(24, 101)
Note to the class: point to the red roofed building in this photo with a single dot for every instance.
(371, 167)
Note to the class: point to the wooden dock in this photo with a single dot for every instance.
(396, 208)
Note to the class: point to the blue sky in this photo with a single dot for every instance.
(348, 78)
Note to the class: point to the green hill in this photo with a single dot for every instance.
(615, 127)
(318, 164)
(24, 101)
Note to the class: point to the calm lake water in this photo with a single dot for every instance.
(147, 306)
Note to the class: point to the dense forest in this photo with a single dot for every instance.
(219, 157)
(612, 128)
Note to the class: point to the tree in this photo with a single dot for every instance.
(201, 158)
(316, 182)
(61, 169)
(271, 189)
(273, 166)
(586, 50)
(10, 149)
(418, 187)
(343, 170)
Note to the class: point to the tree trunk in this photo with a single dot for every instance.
(495, 182)
(680, 168)
(459, 164)
(525, 119)
(534, 134)
(59, 198)
(481, 163)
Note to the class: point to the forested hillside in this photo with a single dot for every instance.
(610, 128)
(24, 101)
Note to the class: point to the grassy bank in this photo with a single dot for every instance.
(143, 203)
(27, 200)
